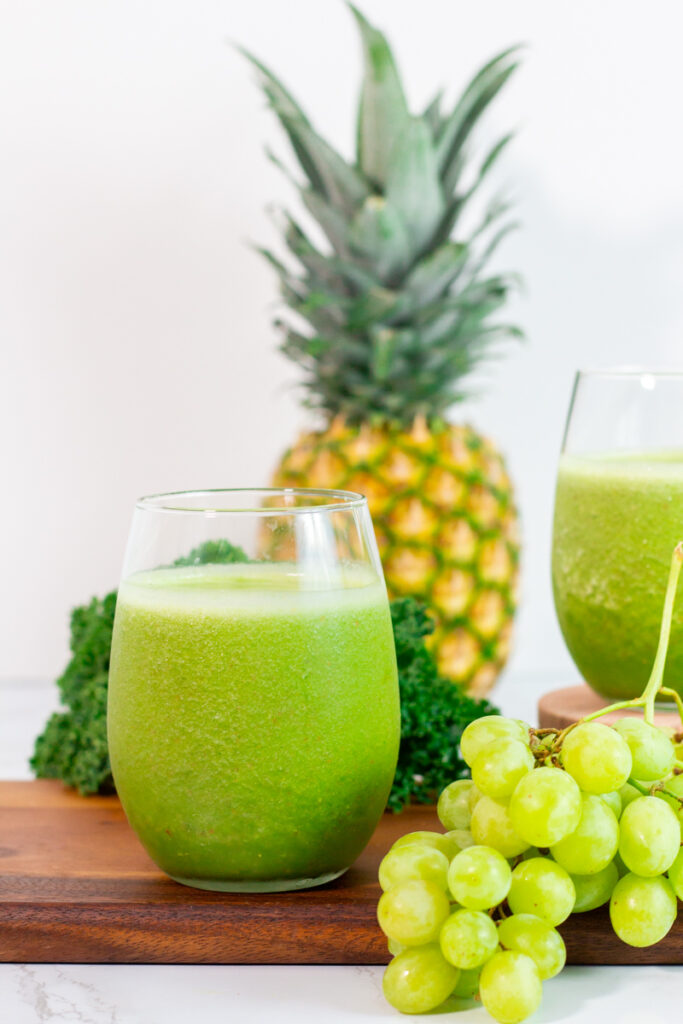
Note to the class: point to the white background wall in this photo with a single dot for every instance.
(136, 348)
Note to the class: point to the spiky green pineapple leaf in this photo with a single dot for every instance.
(480, 92)
(373, 306)
(330, 349)
(379, 235)
(432, 116)
(352, 278)
(281, 98)
(330, 220)
(339, 183)
(327, 172)
(383, 346)
(434, 275)
(292, 289)
(398, 309)
(318, 265)
(287, 110)
(430, 279)
(383, 111)
(443, 314)
(459, 202)
(486, 254)
(413, 186)
(489, 160)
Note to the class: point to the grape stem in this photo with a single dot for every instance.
(643, 790)
(666, 691)
(654, 684)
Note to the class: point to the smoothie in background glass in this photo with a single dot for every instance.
(253, 708)
(618, 517)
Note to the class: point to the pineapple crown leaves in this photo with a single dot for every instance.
(393, 311)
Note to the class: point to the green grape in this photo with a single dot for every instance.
(597, 757)
(674, 786)
(461, 838)
(437, 840)
(468, 939)
(488, 729)
(404, 863)
(499, 766)
(649, 836)
(619, 865)
(678, 751)
(594, 841)
(652, 751)
(545, 806)
(510, 987)
(542, 887)
(491, 826)
(468, 984)
(413, 912)
(628, 793)
(642, 910)
(675, 873)
(395, 947)
(419, 980)
(454, 807)
(594, 890)
(479, 878)
(526, 933)
(475, 797)
(613, 801)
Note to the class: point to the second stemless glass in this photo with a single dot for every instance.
(618, 517)
(253, 700)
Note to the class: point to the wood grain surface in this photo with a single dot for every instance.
(77, 887)
(559, 708)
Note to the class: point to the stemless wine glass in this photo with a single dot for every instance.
(618, 517)
(253, 699)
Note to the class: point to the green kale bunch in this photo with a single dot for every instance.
(434, 712)
(73, 746)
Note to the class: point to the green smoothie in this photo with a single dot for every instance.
(617, 520)
(253, 721)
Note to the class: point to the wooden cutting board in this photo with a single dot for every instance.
(77, 887)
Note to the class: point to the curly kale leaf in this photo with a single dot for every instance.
(434, 712)
(217, 552)
(73, 746)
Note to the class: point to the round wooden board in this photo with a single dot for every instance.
(560, 708)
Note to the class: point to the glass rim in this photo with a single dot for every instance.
(168, 501)
(628, 372)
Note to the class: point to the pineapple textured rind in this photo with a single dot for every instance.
(446, 528)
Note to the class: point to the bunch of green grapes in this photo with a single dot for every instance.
(551, 823)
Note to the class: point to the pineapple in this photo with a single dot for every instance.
(390, 313)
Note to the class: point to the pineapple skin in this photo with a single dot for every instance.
(446, 525)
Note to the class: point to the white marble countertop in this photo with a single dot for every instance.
(133, 994)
